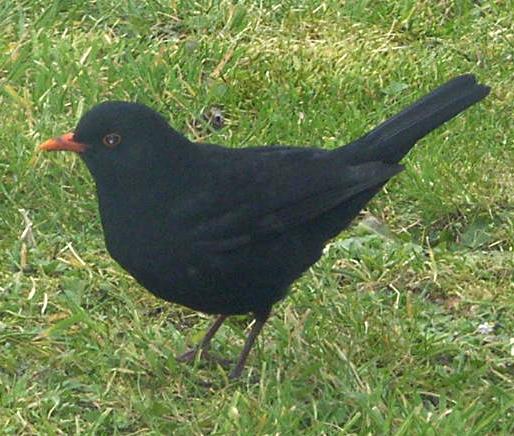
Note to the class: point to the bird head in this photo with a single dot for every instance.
(120, 141)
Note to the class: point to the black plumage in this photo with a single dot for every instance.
(226, 231)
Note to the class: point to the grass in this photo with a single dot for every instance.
(401, 328)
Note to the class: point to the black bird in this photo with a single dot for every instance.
(226, 231)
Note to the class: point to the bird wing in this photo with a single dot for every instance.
(270, 194)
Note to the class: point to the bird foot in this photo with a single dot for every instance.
(235, 374)
(190, 355)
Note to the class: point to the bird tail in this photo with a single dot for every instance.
(392, 140)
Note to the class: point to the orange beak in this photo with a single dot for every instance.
(64, 142)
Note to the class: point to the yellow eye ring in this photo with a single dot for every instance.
(111, 140)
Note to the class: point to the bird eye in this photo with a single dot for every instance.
(111, 140)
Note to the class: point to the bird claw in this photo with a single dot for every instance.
(190, 356)
(235, 374)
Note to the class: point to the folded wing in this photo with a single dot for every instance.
(299, 189)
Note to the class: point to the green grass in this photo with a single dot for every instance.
(380, 337)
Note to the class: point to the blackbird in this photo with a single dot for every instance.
(226, 231)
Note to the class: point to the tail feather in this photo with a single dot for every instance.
(391, 141)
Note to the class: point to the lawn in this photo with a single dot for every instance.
(405, 326)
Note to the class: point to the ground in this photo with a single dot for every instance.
(406, 325)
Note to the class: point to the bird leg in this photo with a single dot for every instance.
(260, 320)
(204, 345)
